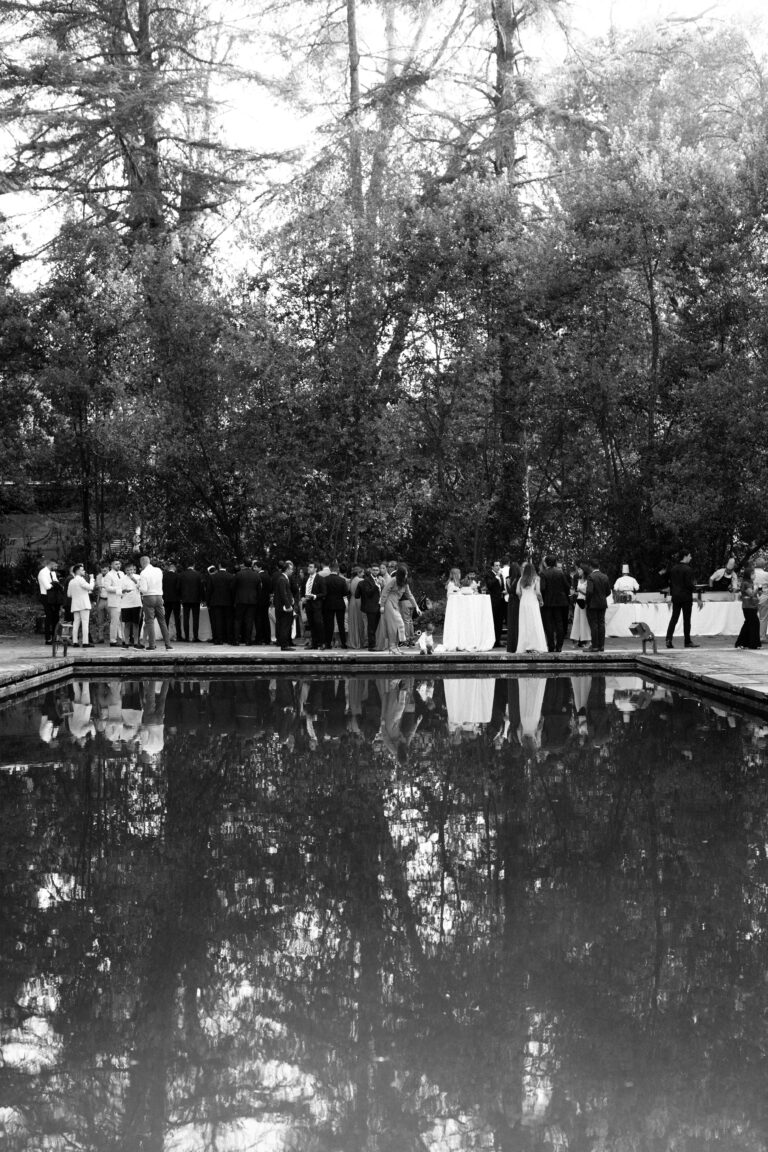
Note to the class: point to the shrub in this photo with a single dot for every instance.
(19, 614)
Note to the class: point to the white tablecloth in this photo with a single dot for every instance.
(468, 624)
(714, 618)
(469, 702)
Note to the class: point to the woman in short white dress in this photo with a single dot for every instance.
(530, 634)
(580, 634)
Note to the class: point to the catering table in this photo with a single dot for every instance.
(710, 618)
(468, 624)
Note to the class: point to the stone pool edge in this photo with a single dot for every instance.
(663, 667)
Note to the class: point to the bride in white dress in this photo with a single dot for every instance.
(530, 634)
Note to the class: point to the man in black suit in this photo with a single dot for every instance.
(494, 582)
(171, 598)
(284, 606)
(681, 588)
(221, 598)
(335, 605)
(598, 591)
(555, 592)
(246, 589)
(295, 583)
(262, 629)
(513, 605)
(368, 592)
(313, 595)
(190, 594)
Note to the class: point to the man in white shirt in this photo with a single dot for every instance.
(626, 586)
(151, 588)
(50, 597)
(761, 583)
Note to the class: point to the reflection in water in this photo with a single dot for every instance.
(382, 914)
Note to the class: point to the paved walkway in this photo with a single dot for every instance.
(716, 666)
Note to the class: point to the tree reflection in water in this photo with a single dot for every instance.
(386, 914)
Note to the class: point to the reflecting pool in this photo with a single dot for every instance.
(385, 914)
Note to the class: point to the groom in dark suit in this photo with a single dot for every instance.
(555, 593)
(494, 582)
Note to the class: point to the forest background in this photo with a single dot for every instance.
(474, 301)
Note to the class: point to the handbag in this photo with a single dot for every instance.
(580, 602)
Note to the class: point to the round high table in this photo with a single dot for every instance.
(468, 623)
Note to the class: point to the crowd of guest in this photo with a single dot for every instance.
(374, 608)
(537, 606)
(543, 606)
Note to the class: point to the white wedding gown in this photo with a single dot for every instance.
(530, 632)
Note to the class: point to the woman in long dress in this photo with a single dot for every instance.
(580, 633)
(409, 606)
(357, 625)
(394, 628)
(749, 636)
(530, 630)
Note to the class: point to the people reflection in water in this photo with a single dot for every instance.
(80, 722)
(538, 717)
(152, 729)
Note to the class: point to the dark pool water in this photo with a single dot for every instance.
(390, 915)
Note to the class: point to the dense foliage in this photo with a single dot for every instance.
(487, 310)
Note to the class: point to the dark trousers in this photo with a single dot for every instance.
(263, 630)
(329, 615)
(315, 622)
(51, 611)
(596, 621)
(221, 623)
(245, 617)
(498, 608)
(749, 637)
(173, 613)
(283, 625)
(513, 617)
(373, 623)
(194, 609)
(555, 621)
(685, 607)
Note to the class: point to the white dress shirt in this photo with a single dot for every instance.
(151, 581)
(46, 580)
